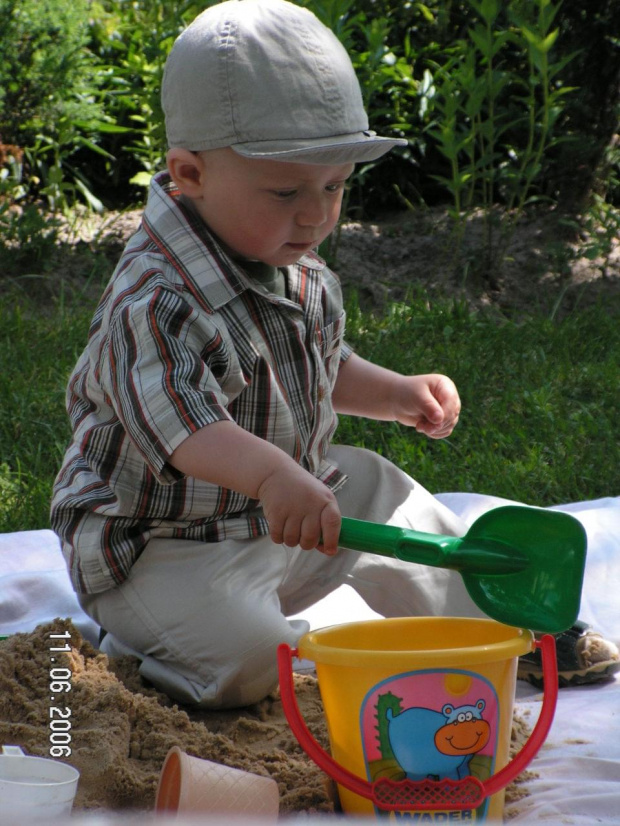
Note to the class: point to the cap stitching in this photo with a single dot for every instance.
(228, 44)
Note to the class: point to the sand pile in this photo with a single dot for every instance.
(122, 729)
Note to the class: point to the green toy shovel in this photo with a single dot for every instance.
(522, 566)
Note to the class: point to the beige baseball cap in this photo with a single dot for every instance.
(269, 80)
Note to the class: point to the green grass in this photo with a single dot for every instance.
(40, 341)
(540, 399)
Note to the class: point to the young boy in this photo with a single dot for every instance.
(200, 499)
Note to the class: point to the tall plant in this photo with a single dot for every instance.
(492, 120)
(50, 105)
(132, 41)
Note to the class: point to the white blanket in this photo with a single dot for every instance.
(35, 587)
(578, 769)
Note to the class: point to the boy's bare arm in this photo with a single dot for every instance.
(430, 403)
(299, 508)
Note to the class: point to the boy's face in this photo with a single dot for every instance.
(268, 210)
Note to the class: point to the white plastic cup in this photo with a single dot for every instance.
(189, 784)
(31, 786)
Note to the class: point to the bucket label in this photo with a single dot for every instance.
(431, 725)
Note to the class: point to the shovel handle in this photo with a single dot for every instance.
(408, 795)
(486, 556)
(388, 540)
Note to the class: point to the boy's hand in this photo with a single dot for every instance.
(430, 403)
(300, 510)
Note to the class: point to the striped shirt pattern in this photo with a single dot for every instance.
(183, 338)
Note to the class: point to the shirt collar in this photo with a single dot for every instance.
(182, 236)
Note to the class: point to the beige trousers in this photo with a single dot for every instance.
(206, 618)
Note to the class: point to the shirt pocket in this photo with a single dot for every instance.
(329, 341)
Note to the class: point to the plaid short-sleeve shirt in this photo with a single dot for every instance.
(182, 338)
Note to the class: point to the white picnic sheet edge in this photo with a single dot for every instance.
(577, 772)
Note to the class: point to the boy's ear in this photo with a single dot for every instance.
(186, 170)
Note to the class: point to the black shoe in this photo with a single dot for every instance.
(583, 655)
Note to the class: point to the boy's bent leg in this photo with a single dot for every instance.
(204, 618)
(378, 491)
(381, 492)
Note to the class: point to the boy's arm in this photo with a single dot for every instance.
(430, 403)
(298, 507)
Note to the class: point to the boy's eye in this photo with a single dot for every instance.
(288, 194)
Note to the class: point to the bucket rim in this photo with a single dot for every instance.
(315, 645)
(67, 774)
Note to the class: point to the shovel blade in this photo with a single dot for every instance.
(545, 594)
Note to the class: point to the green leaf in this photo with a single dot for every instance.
(141, 179)
(549, 40)
(99, 150)
(103, 126)
(93, 202)
(426, 12)
(482, 39)
(487, 9)
(55, 175)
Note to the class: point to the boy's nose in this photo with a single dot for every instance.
(314, 212)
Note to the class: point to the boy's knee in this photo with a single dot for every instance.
(249, 676)
(239, 682)
(243, 674)
(246, 686)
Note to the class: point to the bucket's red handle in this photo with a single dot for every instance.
(446, 794)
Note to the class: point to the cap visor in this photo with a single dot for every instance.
(329, 151)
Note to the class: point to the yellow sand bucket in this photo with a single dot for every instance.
(419, 713)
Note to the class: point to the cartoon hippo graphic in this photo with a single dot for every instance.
(437, 745)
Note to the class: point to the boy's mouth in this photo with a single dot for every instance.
(308, 245)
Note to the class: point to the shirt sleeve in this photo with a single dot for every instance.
(158, 374)
(345, 351)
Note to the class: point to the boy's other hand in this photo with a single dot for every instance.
(430, 403)
(300, 510)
